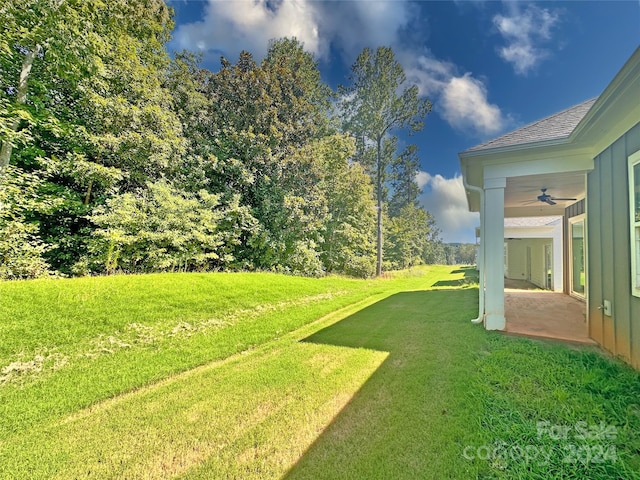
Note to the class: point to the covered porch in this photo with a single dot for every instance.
(536, 171)
(532, 312)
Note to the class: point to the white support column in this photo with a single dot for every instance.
(558, 267)
(494, 252)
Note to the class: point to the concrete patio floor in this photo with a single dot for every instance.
(541, 313)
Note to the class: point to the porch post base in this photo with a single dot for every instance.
(494, 322)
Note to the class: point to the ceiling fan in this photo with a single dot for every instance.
(546, 198)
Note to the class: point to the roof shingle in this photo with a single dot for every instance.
(555, 127)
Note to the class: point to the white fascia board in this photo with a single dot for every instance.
(542, 166)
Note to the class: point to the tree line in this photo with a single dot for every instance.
(117, 157)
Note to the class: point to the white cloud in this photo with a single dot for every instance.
(461, 100)
(351, 26)
(345, 27)
(422, 179)
(446, 200)
(524, 31)
(229, 27)
(465, 105)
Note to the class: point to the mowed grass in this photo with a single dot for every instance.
(338, 379)
(69, 343)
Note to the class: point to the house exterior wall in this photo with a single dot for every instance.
(517, 259)
(609, 251)
(537, 262)
(552, 235)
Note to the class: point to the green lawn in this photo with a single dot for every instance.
(218, 376)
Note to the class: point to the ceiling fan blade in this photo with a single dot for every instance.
(558, 198)
(549, 200)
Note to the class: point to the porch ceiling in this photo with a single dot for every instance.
(520, 196)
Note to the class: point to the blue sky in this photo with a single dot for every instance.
(488, 67)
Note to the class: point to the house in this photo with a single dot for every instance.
(533, 251)
(583, 165)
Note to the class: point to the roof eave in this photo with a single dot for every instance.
(625, 77)
(513, 148)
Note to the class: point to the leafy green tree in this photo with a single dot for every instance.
(377, 102)
(403, 180)
(408, 236)
(467, 253)
(199, 168)
(84, 104)
(450, 252)
(347, 243)
(260, 118)
(55, 53)
(21, 248)
(164, 229)
(30, 30)
(434, 253)
(301, 98)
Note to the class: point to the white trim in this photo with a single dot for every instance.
(494, 258)
(543, 166)
(577, 219)
(634, 225)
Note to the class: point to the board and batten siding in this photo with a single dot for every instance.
(609, 251)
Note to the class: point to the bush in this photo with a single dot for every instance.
(21, 249)
(165, 229)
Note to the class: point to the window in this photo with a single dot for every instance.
(634, 210)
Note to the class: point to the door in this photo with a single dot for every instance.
(577, 256)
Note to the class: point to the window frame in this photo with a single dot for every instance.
(634, 223)
(582, 218)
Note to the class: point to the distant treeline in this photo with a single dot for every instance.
(117, 158)
(455, 254)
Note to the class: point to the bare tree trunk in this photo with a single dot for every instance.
(379, 219)
(21, 99)
(87, 196)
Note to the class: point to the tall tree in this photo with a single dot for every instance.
(377, 102)
(83, 101)
(410, 233)
(30, 30)
(403, 180)
(262, 115)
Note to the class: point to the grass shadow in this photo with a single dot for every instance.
(410, 416)
(470, 276)
(447, 386)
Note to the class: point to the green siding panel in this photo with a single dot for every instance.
(622, 257)
(609, 251)
(606, 236)
(633, 145)
(594, 249)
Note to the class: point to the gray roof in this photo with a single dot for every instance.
(555, 127)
